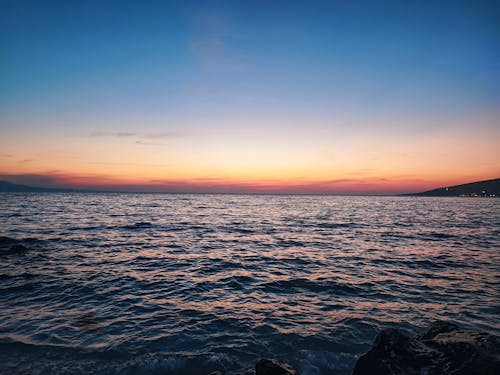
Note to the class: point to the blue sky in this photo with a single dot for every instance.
(294, 68)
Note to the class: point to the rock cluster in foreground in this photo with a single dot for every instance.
(273, 367)
(441, 350)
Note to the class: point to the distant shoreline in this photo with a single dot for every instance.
(479, 189)
(411, 195)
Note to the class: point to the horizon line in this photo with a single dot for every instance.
(223, 190)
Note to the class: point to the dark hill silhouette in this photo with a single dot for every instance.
(6, 186)
(479, 188)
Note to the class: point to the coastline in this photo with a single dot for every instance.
(443, 348)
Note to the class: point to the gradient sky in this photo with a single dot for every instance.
(230, 96)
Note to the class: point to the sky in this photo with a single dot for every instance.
(249, 96)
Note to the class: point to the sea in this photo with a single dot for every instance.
(111, 283)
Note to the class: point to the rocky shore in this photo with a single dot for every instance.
(444, 348)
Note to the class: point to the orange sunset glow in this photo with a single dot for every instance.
(253, 160)
(221, 106)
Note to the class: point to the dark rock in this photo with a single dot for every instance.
(215, 373)
(273, 367)
(438, 327)
(443, 349)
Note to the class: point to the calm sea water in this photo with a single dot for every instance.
(179, 284)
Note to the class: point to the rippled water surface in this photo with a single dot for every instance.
(177, 284)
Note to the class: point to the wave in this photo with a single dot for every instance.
(19, 358)
(25, 275)
(137, 226)
(335, 225)
(302, 284)
(10, 245)
(426, 236)
(325, 362)
(23, 357)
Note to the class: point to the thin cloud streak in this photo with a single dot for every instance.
(124, 134)
(128, 164)
(163, 135)
(144, 143)
(112, 134)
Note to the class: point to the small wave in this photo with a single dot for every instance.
(326, 362)
(137, 226)
(10, 245)
(24, 275)
(243, 230)
(438, 236)
(238, 282)
(221, 265)
(89, 228)
(301, 284)
(427, 236)
(19, 288)
(18, 357)
(424, 264)
(398, 235)
(290, 243)
(335, 225)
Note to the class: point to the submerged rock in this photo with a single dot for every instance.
(443, 349)
(273, 367)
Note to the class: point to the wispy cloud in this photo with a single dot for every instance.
(137, 135)
(362, 171)
(112, 134)
(340, 181)
(208, 48)
(162, 135)
(146, 143)
(5, 155)
(129, 164)
(210, 44)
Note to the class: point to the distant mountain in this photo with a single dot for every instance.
(10, 187)
(485, 188)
